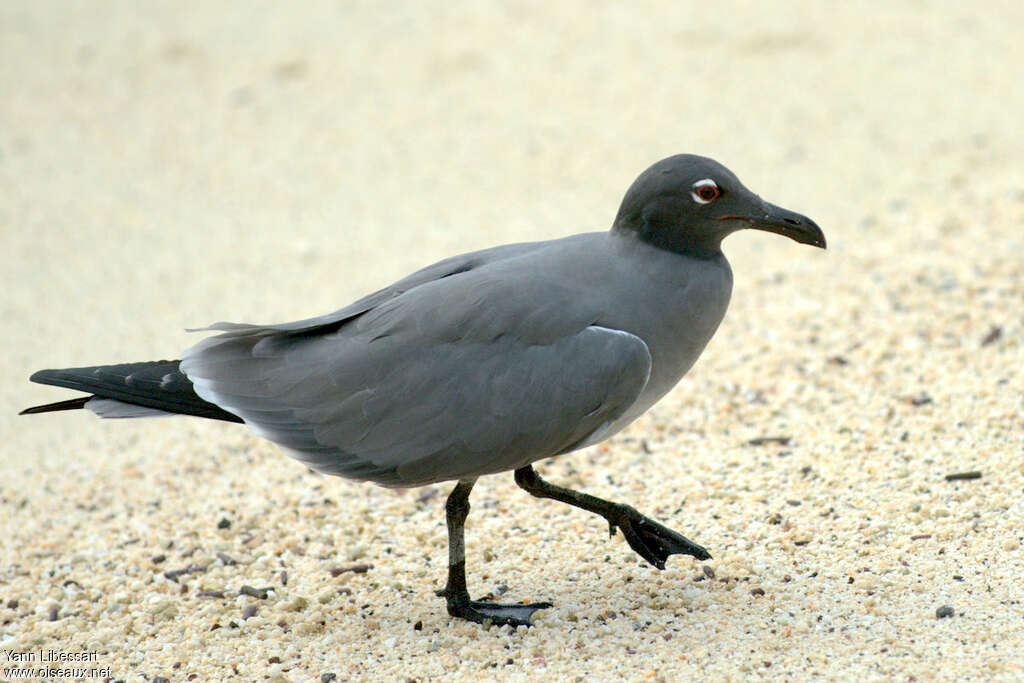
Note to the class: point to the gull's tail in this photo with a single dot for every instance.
(146, 389)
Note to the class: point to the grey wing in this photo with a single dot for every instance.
(404, 411)
(437, 271)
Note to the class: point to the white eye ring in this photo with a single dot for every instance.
(706, 182)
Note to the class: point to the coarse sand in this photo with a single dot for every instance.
(166, 165)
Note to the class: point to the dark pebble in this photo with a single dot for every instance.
(993, 336)
(961, 476)
(327, 678)
(12, 604)
(260, 593)
(191, 569)
(944, 611)
(708, 571)
(157, 559)
(210, 594)
(418, 626)
(284, 578)
(53, 614)
(224, 523)
(274, 660)
(249, 611)
(160, 679)
(355, 568)
(757, 592)
(763, 440)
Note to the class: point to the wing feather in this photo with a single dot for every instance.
(429, 412)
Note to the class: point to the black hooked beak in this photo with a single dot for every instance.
(781, 221)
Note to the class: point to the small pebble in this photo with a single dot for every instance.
(944, 611)
(765, 440)
(355, 569)
(191, 569)
(993, 336)
(961, 476)
(260, 593)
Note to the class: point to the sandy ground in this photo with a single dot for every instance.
(165, 167)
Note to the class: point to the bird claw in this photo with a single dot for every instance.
(653, 541)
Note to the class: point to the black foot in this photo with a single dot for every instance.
(652, 541)
(483, 612)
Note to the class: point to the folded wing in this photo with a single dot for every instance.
(453, 379)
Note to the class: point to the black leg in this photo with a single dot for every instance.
(455, 593)
(650, 540)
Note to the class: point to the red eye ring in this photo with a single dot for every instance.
(704, 191)
(707, 192)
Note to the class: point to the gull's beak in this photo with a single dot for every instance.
(781, 221)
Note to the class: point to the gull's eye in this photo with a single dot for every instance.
(704, 191)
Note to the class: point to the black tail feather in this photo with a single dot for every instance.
(72, 404)
(155, 384)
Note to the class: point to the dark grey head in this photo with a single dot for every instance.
(689, 204)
